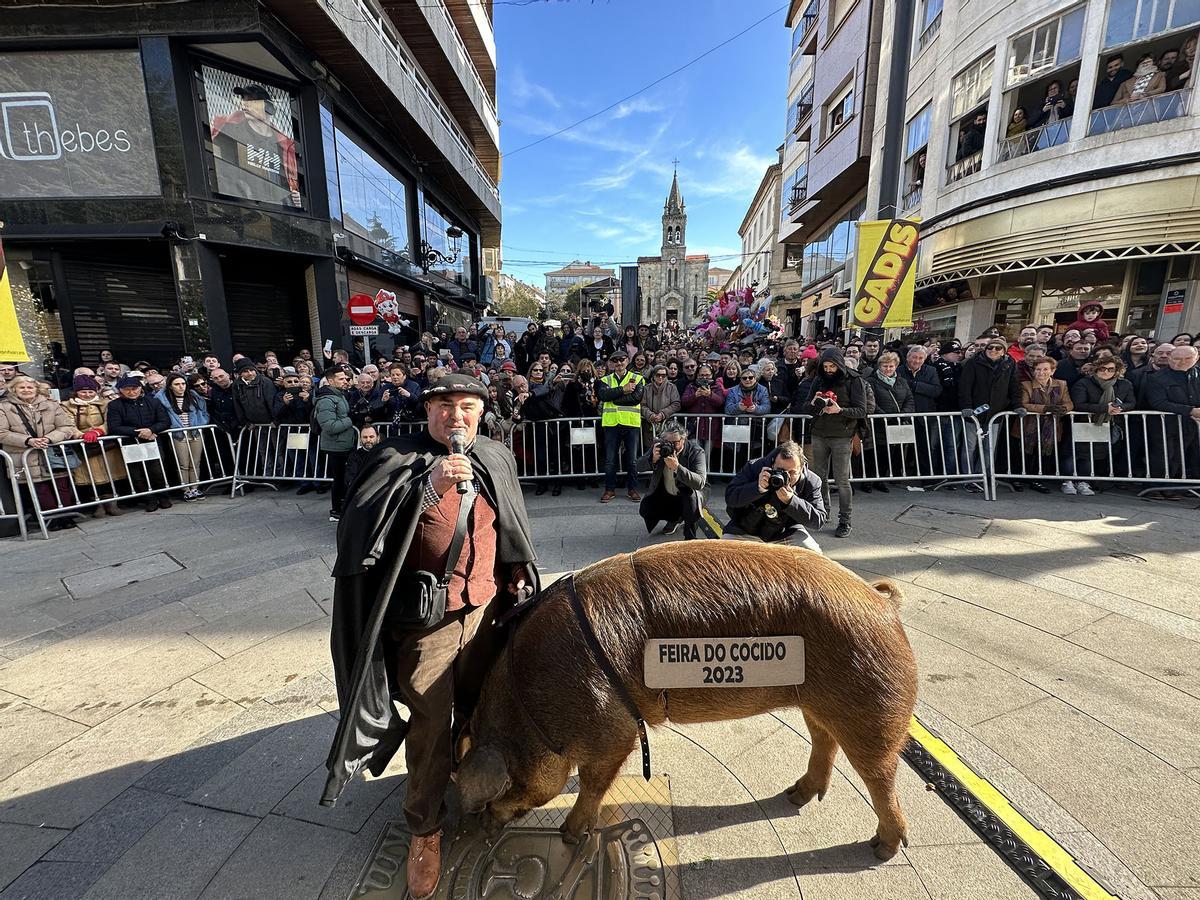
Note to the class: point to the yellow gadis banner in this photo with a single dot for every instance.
(887, 256)
(12, 347)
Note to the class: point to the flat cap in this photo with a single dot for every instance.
(618, 354)
(456, 383)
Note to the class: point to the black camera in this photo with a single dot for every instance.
(777, 479)
(665, 448)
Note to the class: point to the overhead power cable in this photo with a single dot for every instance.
(643, 89)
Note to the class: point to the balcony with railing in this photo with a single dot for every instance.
(964, 167)
(806, 28)
(1160, 108)
(1052, 134)
(799, 193)
(930, 32)
(912, 199)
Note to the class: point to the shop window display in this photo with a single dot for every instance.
(251, 134)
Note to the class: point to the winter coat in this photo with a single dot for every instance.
(126, 416)
(1036, 399)
(891, 398)
(571, 348)
(707, 429)
(1069, 371)
(598, 355)
(332, 412)
(655, 399)
(41, 418)
(1100, 327)
(254, 401)
(458, 349)
(398, 407)
(104, 462)
(297, 412)
(1174, 392)
(760, 401)
(925, 385)
(363, 407)
(851, 397)
(690, 477)
(992, 383)
(197, 415)
(576, 402)
(221, 409)
(948, 373)
(1087, 391)
(745, 504)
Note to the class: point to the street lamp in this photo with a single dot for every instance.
(430, 255)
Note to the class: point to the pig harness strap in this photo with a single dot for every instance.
(589, 636)
(601, 658)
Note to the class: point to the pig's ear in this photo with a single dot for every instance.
(482, 778)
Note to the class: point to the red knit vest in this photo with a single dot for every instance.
(474, 580)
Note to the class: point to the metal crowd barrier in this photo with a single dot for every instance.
(940, 447)
(269, 453)
(75, 475)
(730, 442)
(1160, 450)
(12, 508)
(559, 448)
(394, 429)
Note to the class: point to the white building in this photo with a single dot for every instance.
(1095, 200)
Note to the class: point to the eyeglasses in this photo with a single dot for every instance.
(995, 347)
(688, 368)
(1106, 368)
(660, 374)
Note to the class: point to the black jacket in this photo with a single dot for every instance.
(374, 536)
(691, 476)
(221, 409)
(298, 412)
(126, 416)
(1068, 370)
(745, 504)
(1086, 393)
(354, 466)
(891, 398)
(851, 397)
(255, 401)
(948, 373)
(992, 383)
(925, 384)
(1174, 392)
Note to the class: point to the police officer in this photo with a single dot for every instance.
(620, 393)
(781, 514)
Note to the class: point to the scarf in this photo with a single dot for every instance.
(889, 380)
(1108, 394)
(1049, 395)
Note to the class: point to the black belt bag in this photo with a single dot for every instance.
(419, 599)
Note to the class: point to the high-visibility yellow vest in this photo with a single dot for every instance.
(611, 414)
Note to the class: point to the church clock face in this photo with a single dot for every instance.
(674, 260)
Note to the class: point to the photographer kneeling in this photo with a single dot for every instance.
(679, 474)
(776, 499)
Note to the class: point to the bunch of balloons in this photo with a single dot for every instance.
(738, 316)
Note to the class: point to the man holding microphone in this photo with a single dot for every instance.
(433, 544)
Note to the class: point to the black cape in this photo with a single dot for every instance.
(374, 536)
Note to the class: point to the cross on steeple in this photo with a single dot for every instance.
(675, 164)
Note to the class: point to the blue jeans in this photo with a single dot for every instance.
(614, 437)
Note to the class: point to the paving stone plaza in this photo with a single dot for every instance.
(166, 706)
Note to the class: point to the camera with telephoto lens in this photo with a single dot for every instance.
(665, 448)
(777, 479)
(822, 399)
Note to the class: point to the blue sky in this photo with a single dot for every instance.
(596, 192)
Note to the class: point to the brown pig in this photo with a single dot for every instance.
(859, 688)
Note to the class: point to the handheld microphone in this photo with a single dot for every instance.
(458, 444)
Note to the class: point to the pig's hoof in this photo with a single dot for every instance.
(569, 835)
(799, 793)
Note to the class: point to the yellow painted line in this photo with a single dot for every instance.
(1050, 851)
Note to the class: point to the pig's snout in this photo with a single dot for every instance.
(482, 778)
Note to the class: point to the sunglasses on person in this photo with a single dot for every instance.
(995, 347)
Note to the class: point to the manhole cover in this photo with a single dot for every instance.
(621, 860)
(943, 520)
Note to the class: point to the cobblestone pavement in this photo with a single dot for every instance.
(166, 704)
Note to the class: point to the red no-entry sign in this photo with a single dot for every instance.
(361, 309)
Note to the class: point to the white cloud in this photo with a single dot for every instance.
(636, 105)
(523, 90)
(738, 171)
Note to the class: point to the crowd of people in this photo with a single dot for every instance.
(634, 380)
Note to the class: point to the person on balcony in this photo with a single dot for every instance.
(1180, 77)
(1055, 106)
(970, 139)
(1017, 124)
(1147, 81)
(1115, 75)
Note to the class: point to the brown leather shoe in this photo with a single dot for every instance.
(424, 865)
(635, 496)
(607, 496)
